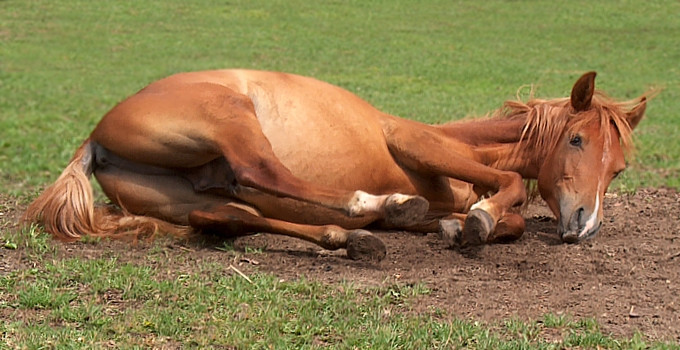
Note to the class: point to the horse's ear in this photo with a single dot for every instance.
(582, 92)
(636, 114)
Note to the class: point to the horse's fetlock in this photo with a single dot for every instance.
(334, 237)
(359, 203)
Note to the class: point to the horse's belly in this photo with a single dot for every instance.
(352, 158)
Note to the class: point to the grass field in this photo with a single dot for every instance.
(63, 64)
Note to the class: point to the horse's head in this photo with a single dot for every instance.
(585, 156)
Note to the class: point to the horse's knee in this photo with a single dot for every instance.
(334, 237)
(514, 184)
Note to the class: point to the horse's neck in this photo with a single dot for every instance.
(495, 142)
(485, 131)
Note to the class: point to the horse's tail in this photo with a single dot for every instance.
(66, 208)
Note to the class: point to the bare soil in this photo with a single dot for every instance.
(627, 278)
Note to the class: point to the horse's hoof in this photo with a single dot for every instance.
(363, 245)
(449, 232)
(478, 226)
(403, 211)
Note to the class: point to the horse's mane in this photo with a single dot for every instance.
(547, 119)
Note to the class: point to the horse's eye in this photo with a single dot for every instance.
(576, 141)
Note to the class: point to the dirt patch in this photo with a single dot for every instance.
(627, 278)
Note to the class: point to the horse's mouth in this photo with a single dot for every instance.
(575, 236)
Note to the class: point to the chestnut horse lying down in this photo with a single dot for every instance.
(238, 151)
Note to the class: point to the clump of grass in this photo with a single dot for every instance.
(31, 239)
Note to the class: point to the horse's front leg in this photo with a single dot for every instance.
(509, 228)
(450, 228)
(427, 150)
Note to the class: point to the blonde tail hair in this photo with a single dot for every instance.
(66, 208)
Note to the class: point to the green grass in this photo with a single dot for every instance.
(72, 303)
(63, 64)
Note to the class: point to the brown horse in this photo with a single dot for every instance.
(238, 151)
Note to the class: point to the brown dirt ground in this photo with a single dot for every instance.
(627, 278)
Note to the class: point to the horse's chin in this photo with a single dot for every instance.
(576, 236)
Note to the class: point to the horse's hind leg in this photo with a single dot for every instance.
(231, 220)
(170, 197)
(252, 159)
(164, 196)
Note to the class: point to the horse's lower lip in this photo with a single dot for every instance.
(574, 237)
(570, 237)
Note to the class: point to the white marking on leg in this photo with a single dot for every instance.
(483, 205)
(334, 237)
(400, 198)
(363, 202)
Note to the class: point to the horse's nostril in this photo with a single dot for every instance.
(579, 216)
